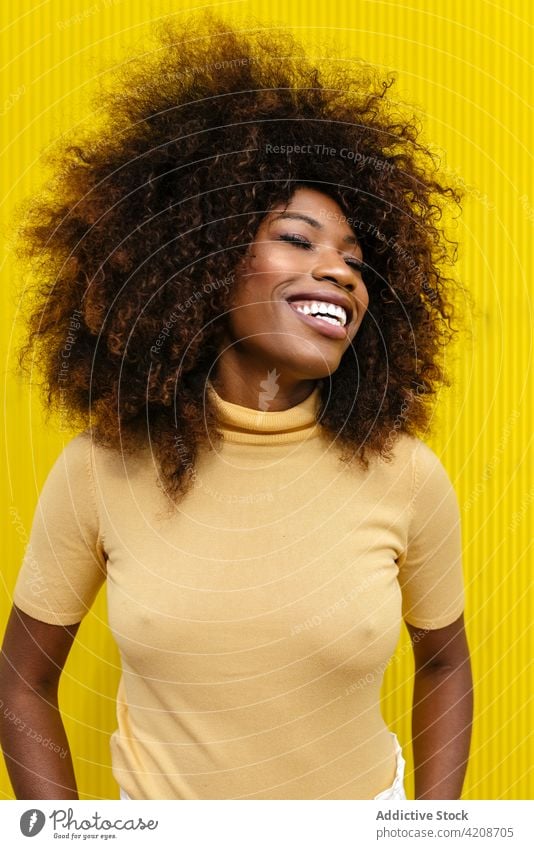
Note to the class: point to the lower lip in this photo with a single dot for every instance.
(321, 326)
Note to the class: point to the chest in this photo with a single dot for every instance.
(251, 564)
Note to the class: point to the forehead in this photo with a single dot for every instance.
(316, 209)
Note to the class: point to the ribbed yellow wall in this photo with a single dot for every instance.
(467, 67)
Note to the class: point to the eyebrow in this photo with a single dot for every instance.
(350, 240)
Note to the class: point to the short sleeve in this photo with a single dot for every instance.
(64, 562)
(430, 573)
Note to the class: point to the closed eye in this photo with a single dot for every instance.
(295, 239)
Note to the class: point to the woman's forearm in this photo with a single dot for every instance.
(35, 746)
(441, 730)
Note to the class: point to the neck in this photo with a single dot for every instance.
(264, 426)
(265, 390)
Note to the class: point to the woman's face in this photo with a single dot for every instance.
(304, 260)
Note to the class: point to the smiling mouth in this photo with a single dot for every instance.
(324, 301)
(327, 323)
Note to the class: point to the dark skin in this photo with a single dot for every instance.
(442, 710)
(32, 659)
(263, 334)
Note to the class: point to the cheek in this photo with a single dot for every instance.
(247, 313)
(267, 260)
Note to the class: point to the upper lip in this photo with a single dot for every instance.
(329, 295)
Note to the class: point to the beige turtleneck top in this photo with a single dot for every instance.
(255, 620)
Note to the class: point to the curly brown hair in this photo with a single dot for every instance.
(134, 242)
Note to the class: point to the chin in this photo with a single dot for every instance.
(316, 371)
(311, 360)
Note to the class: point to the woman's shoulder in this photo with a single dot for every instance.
(413, 460)
(112, 461)
(413, 449)
(84, 459)
(423, 465)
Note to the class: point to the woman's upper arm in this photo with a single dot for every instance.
(64, 563)
(441, 647)
(430, 569)
(34, 652)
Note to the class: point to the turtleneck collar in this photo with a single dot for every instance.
(246, 425)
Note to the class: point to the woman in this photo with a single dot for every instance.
(241, 278)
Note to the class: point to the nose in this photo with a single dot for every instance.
(329, 265)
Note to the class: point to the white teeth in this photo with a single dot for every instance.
(328, 318)
(323, 310)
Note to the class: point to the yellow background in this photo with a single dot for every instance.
(465, 66)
